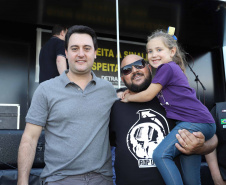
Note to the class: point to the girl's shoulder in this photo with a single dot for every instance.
(168, 65)
(171, 65)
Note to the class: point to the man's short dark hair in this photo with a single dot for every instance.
(81, 29)
(58, 28)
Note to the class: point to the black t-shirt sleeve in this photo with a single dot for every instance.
(60, 50)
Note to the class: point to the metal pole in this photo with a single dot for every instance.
(118, 47)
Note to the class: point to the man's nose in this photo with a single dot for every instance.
(81, 53)
(134, 69)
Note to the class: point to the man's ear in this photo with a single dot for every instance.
(62, 33)
(66, 53)
(149, 66)
(95, 54)
(122, 79)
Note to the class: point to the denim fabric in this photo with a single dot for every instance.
(166, 151)
(113, 162)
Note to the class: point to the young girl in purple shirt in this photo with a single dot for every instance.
(171, 86)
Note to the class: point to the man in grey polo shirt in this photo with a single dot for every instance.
(74, 109)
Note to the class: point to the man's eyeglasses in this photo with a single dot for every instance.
(139, 64)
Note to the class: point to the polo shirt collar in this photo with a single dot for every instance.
(65, 80)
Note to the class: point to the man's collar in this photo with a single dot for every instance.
(66, 81)
(64, 78)
(94, 79)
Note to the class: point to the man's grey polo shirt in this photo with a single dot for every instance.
(76, 126)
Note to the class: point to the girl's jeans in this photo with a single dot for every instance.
(190, 164)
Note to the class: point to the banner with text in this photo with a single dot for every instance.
(105, 65)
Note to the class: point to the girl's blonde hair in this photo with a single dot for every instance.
(170, 42)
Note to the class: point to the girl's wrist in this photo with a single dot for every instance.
(129, 98)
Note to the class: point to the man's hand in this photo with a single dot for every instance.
(190, 143)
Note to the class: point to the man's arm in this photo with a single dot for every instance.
(194, 143)
(27, 151)
(61, 64)
(211, 159)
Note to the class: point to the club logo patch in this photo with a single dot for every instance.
(145, 135)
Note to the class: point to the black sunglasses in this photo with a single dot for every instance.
(139, 64)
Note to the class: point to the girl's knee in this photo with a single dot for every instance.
(160, 154)
(157, 155)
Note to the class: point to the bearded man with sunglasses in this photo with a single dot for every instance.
(136, 129)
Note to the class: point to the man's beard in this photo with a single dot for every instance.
(141, 87)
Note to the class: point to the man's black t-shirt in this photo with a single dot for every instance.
(47, 58)
(136, 129)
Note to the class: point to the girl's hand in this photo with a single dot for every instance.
(125, 98)
(124, 93)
